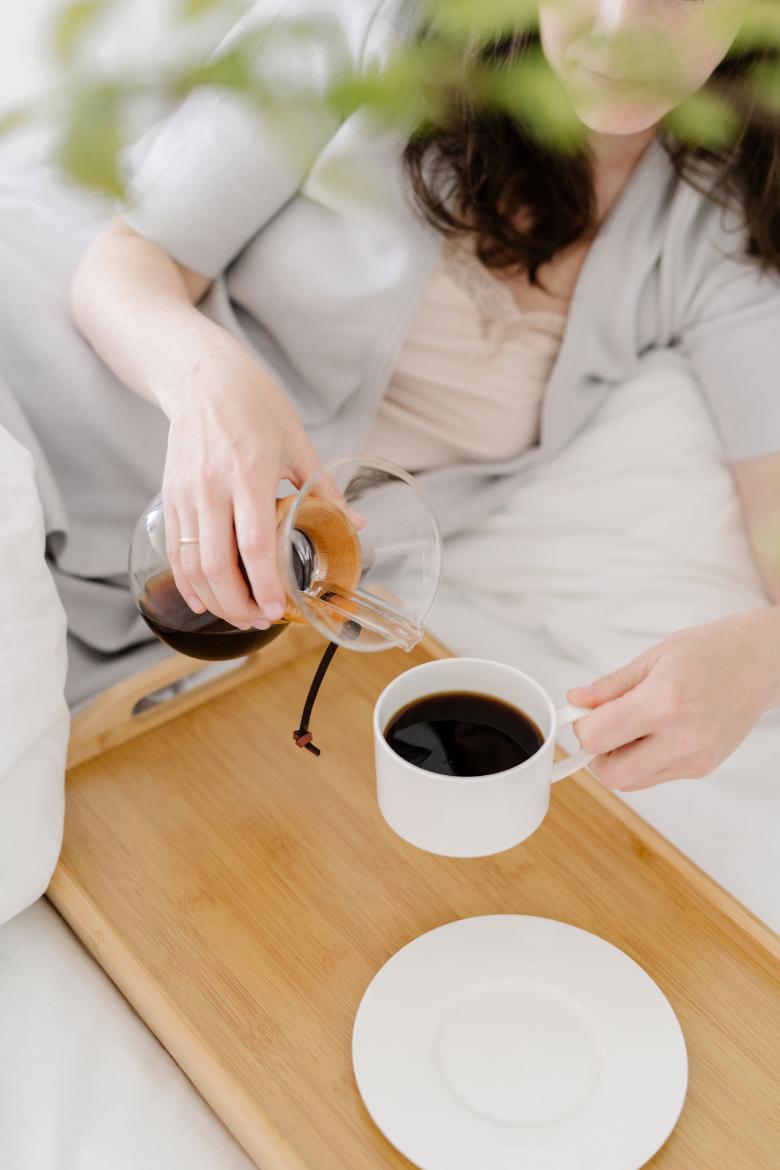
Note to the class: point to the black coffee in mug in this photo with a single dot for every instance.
(458, 733)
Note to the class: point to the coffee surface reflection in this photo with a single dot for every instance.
(458, 733)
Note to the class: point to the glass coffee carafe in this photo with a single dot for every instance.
(367, 585)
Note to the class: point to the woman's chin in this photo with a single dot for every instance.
(622, 121)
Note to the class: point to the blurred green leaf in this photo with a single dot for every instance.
(70, 24)
(13, 119)
(349, 92)
(89, 150)
(703, 120)
(415, 86)
(767, 538)
(231, 70)
(480, 18)
(760, 27)
(530, 91)
(192, 9)
(765, 84)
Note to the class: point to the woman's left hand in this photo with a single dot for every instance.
(682, 707)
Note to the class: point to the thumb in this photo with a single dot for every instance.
(611, 686)
(325, 488)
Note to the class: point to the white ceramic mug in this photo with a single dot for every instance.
(470, 816)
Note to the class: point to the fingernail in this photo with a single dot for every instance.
(260, 624)
(584, 690)
(273, 611)
(196, 605)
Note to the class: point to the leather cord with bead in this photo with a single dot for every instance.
(302, 736)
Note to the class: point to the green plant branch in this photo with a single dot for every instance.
(419, 86)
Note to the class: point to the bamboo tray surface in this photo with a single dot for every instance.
(242, 894)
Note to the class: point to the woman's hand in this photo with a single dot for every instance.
(678, 710)
(231, 441)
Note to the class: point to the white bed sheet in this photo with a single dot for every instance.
(630, 533)
(84, 1085)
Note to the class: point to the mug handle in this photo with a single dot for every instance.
(580, 759)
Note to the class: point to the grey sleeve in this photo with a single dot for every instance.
(730, 334)
(221, 166)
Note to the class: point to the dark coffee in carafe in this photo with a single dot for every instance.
(201, 635)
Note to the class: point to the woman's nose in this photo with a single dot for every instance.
(621, 35)
(612, 16)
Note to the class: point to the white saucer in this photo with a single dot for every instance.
(516, 1043)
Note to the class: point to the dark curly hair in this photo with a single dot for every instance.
(480, 172)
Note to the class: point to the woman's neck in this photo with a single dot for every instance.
(615, 158)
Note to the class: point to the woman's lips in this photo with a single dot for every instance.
(617, 84)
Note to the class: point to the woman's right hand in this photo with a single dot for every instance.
(232, 438)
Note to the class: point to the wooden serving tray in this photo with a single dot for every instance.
(242, 894)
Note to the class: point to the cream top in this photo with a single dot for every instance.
(470, 378)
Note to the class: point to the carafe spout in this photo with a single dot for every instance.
(372, 613)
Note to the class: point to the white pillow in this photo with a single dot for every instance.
(34, 720)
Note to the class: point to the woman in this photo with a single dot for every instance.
(280, 315)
